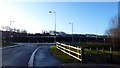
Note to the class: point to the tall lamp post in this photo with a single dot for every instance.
(11, 31)
(96, 36)
(55, 26)
(72, 32)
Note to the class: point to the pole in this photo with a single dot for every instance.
(72, 32)
(82, 57)
(11, 32)
(96, 37)
(111, 54)
(55, 27)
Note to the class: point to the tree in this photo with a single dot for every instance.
(18, 30)
(5, 28)
(37, 34)
(23, 31)
(45, 33)
(114, 32)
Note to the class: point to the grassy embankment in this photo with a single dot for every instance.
(64, 58)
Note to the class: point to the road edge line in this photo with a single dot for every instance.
(31, 60)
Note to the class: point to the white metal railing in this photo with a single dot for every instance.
(75, 52)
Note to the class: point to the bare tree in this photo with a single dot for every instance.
(114, 32)
(5, 28)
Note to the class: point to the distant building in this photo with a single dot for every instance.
(57, 33)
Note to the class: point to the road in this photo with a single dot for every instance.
(17, 56)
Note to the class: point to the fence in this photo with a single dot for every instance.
(75, 52)
(97, 49)
(78, 52)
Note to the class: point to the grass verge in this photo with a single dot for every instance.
(7, 44)
(64, 58)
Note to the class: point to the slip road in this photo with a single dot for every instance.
(17, 56)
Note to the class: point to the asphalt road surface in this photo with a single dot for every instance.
(43, 57)
(17, 56)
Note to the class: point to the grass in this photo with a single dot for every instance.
(64, 58)
(105, 54)
(93, 44)
(100, 51)
(87, 51)
(7, 44)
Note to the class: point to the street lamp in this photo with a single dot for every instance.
(55, 25)
(11, 31)
(72, 31)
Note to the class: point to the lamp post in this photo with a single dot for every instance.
(55, 26)
(11, 32)
(96, 37)
(72, 32)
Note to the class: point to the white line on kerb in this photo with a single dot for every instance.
(31, 61)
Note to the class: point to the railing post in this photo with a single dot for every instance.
(78, 51)
(103, 49)
(97, 50)
(82, 54)
(56, 45)
(69, 49)
(111, 54)
(90, 51)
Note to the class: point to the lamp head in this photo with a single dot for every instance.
(50, 11)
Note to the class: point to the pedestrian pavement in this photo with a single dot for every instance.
(43, 57)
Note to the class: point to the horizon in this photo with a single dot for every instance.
(56, 31)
